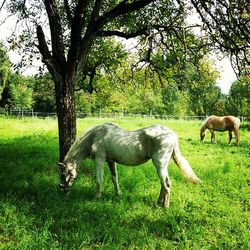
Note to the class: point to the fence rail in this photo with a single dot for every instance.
(100, 114)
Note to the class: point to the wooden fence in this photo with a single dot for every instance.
(100, 114)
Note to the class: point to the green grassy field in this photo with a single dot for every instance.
(35, 214)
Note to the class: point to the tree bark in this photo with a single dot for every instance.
(66, 115)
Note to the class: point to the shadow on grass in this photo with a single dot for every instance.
(220, 143)
(23, 157)
(29, 182)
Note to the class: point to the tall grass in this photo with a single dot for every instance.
(35, 214)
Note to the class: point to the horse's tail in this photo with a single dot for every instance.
(184, 166)
(237, 123)
(237, 130)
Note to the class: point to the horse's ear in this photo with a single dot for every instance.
(60, 164)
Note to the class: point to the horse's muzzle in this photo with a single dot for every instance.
(64, 187)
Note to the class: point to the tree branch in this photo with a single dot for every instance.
(76, 32)
(43, 48)
(67, 9)
(143, 31)
(56, 32)
(2, 5)
(96, 9)
(122, 8)
(228, 26)
(97, 22)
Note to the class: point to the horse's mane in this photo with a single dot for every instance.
(81, 148)
(203, 126)
(82, 143)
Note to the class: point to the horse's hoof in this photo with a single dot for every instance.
(63, 188)
(162, 205)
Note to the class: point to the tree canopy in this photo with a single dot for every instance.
(239, 97)
(5, 67)
(227, 24)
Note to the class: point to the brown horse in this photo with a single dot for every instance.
(221, 123)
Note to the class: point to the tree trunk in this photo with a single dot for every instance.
(66, 115)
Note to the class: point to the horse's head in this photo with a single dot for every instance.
(67, 172)
(202, 135)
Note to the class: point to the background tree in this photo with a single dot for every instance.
(5, 71)
(238, 101)
(204, 94)
(44, 94)
(21, 91)
(107, 55)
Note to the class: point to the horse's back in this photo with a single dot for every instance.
(232, 122)
(222, 123)
(160, 139)
(153, 131)
(159, 132)
(143, 135)
(132, 147)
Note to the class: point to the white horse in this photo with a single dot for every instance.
(110, 143)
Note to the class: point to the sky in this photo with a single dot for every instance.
(223, 65)
(227, 75)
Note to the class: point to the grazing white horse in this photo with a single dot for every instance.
(110, 143)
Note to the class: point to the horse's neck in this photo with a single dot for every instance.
(204, 125)
(203, 128)
(79, 150)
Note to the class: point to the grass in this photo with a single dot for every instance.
(35, 214)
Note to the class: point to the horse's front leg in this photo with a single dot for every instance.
(212, 136)
(113, 171)
(99, 175)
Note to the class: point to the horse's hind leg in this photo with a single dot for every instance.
(237, 136)
(113, 171)
(161, 164)
(164, 196)
(99, 175)
(230, 137)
